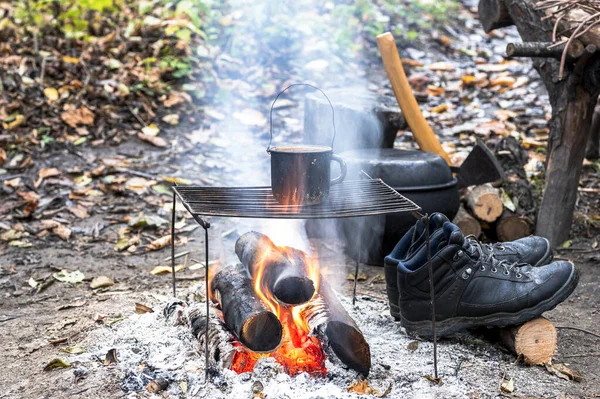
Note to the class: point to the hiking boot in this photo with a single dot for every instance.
(532, 250)
(408, 244)
(474, 288)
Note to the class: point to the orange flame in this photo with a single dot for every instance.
(299, 351)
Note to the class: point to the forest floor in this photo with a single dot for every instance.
(86, 183)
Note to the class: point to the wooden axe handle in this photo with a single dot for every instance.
(412, 113)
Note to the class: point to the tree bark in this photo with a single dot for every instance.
(537, 49)
(593, 146)
(493, 14)
(244, 313)
(573, 99)
(535, 340)
(484, 201)
(287, 279)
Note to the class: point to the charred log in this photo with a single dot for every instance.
(286, 279)
(244, 313)
(326, 314)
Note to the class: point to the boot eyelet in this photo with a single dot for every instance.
(519, 275)
(506, 272)
(482, 268)
(494, 270)
(457, 256)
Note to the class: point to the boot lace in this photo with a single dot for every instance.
(485, 255)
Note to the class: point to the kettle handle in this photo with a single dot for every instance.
(280, 93)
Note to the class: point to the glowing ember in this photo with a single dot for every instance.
(298, 352)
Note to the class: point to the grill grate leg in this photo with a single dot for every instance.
(432, 295)
(173, 245)
(359, 249)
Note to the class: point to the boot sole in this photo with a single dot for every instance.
(547, 258)
(452, 325)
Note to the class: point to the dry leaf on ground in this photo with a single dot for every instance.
(101, 282)
(62, 231)
(166, 269)
(362, 387)
(79, 211)
(57, 363)
(441, 66)
(159, 243)
(154, 140)
(79, 116)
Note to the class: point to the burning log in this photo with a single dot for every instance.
(244, 313)
(326, 314)
(285, 277)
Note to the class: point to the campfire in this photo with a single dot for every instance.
(275, 303)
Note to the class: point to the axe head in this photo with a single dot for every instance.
(479, 167)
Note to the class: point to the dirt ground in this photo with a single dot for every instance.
(29, 320)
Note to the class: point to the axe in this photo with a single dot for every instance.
(479, 167)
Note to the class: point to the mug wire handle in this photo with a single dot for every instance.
(280, 93)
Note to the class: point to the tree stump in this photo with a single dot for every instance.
(484, 201)
(535, 340)
(467, 223)
(362, 120)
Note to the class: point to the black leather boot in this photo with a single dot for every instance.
(473, 288)
(532, 250)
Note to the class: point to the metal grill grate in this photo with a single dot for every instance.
(348, 199)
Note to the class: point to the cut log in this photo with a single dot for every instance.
(220, 348)
(467, 223)
(484, 201)
(535, 340)
(285, 278)
(363, 119)
(541, 49)
(493, 14)
(510, 226)
(326, 316)
(244, 313)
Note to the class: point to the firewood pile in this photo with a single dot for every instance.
(504, 211)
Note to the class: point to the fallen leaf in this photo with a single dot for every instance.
(79, 116)
(359, 277)
(15, 122)
(111, 357)
(413, 346)
(504, 81)
(14, 183)
(56, 363)
(74, 350)
(141, 309)
(82, 180)
(174, 99)
(101, 282)
(151, 130)
(51, 94)
(79, 211)
(2, 156)
(125, 241)
(158, 270)
(440, 108)
(66, 276)
(62, 231)
(48, 224)
(12, 234)
(159, 243)
(412, 63)
(493, 67)
(20, 244)
(362, 387)
(437, 381)
(171, 119)
(435, 90)
(468, 80)
(139, 184)
(445, 40)
(508, 386)
(70, 60)
(143, 220)
(154, 140)
(507, 201)
(176, 180)
(441, 66)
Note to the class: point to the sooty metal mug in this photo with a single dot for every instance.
(300, 174)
